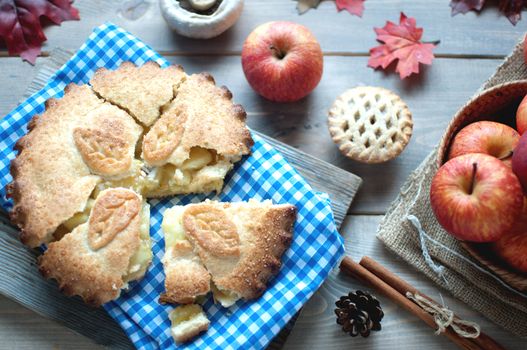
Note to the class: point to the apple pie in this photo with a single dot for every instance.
(89, 162)
(231, 249)
(370, 124)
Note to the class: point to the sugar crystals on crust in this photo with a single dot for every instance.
(98, 258)
(142, 91)
(197, 139)
(66, 153)
(239, 244)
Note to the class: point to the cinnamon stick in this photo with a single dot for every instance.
(349, 266)
(483, 341)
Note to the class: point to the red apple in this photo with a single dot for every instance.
(519, 161)
(512, 247)
(521, 116)
(475, 197)
(495, 139)
(525, 49)
(282, 61)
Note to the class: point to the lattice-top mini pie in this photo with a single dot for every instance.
(146, 130)
(370, 124)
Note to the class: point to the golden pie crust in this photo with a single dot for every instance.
(51, 178)
(239, 244)
(141, 91)
(92, 260)
(149, 131)
(370, 124)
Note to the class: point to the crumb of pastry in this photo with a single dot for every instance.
(187, 322)
(224, 297)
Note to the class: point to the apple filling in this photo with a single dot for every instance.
(139, 181)
(143, 256)
(77, 219)
(187, 322)
(224, 297)
(141, 259)
(202, 171)
(172, 225)
(80, 217)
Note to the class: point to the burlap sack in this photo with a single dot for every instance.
(448, 264)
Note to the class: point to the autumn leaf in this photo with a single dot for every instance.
(355, 7)
(401, 42)
(305, 5)
(20, 25)
(510, 8)
(463, 6)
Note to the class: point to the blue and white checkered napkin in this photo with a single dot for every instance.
(315, 250)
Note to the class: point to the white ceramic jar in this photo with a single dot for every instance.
(201, 26)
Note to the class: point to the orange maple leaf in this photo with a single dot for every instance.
(401, 42)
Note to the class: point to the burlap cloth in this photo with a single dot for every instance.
(461, 278)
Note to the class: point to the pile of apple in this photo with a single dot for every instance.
(479, 194)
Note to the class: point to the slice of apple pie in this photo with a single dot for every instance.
(195, 142)
(233, 248)
(100, 256)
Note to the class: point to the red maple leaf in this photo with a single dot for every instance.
(401, 42)
(510, 8)
(20, 25)
(463, 6)
(355, 7)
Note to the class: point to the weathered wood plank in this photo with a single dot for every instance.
(15, 76)
(21, 281)
(485, 34)
(21, 328)
(433, 98)
(316, 327)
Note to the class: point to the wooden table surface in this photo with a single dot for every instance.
(472, 46)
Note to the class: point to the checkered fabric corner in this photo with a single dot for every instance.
(315, 250)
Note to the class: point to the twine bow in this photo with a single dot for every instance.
(445, 318)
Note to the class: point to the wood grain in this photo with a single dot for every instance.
(21, 328)
(487, 33)
(15, 76)
(21, 281)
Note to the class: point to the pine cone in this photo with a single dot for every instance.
(359, 313)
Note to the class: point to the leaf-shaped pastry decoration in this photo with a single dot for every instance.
(113, 211)
(163, 138)
(212, 230)
(104, 153)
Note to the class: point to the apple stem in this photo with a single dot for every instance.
(435, 42)
(276, 52)
(474, 170)
(507, 156)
